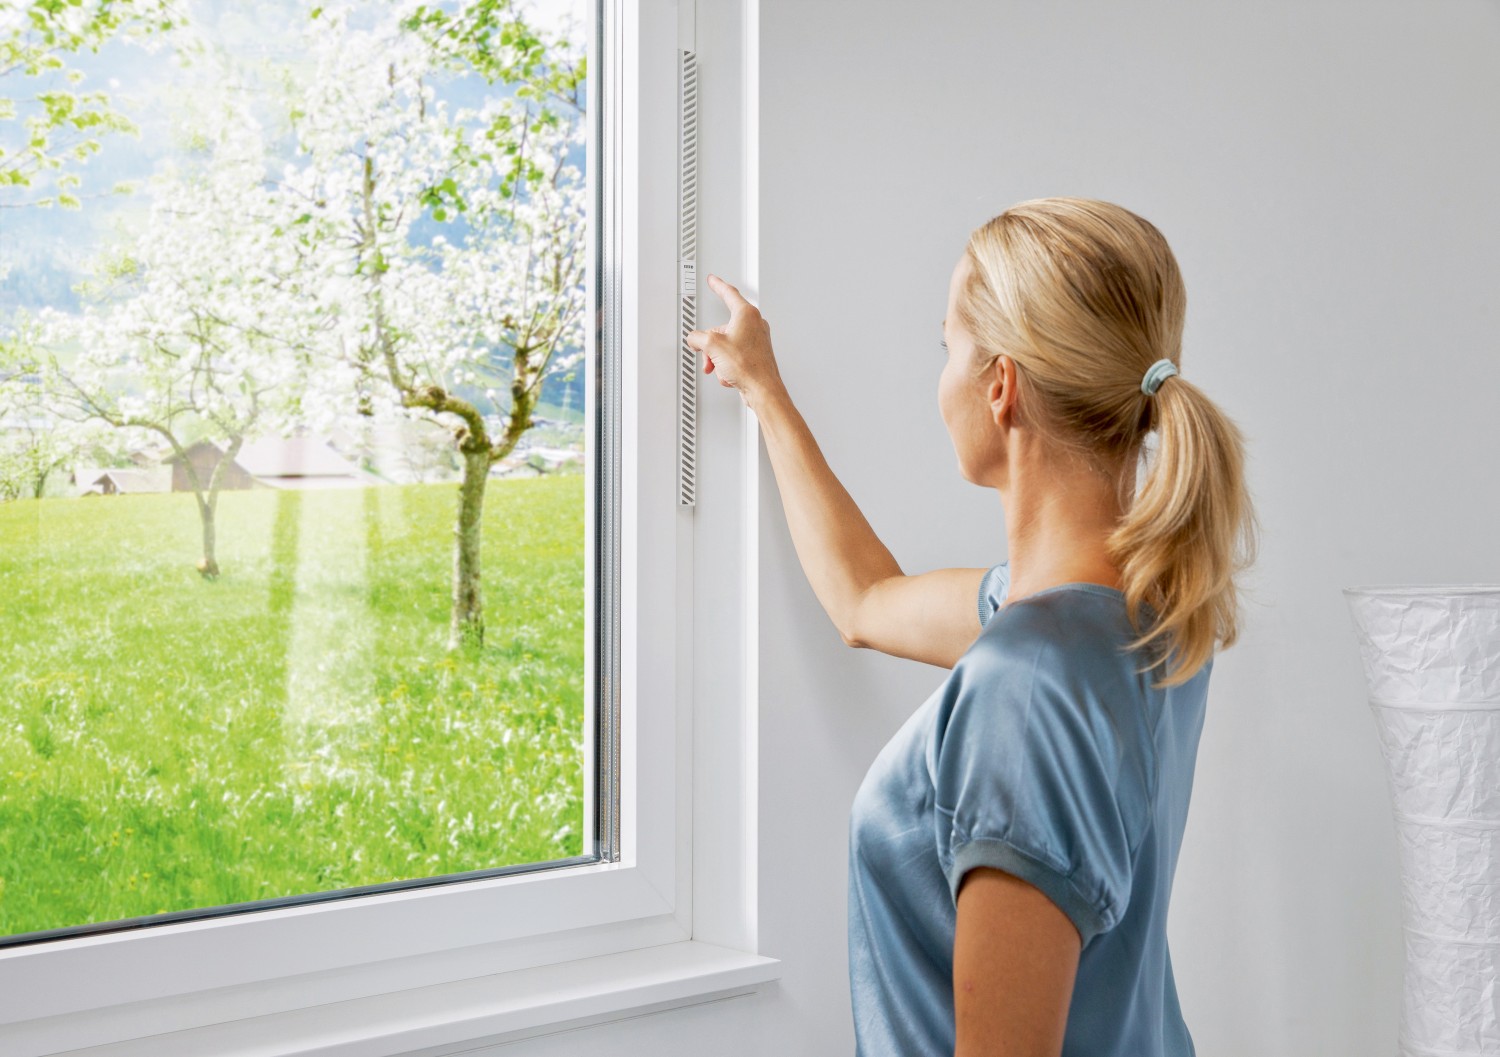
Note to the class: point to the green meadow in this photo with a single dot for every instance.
(296, 726)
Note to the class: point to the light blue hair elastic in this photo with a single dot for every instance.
(1157, 373)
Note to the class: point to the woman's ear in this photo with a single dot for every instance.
(1000, 388)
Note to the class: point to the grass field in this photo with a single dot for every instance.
(169, 743)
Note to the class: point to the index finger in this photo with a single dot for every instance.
(731, 296)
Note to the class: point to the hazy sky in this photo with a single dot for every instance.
(553, 12)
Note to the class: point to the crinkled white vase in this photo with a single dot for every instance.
(1432, 661)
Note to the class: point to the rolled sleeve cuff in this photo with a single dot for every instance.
(984, 851)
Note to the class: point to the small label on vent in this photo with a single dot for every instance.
(688, 277)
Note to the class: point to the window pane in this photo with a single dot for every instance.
(293, 450)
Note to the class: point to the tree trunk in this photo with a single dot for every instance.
(208, 505)
(208, 565)
(467, 627)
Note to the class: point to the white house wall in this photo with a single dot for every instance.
(1325, 174)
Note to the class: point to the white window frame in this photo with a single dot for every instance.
(444, 967)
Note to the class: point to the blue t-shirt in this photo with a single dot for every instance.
(1046, 755)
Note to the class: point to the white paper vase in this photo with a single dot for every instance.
(1432, 661)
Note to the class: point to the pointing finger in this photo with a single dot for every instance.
(731, 296)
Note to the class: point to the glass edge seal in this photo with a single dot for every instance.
(607, 129)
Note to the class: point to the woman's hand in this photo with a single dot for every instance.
(740, 350)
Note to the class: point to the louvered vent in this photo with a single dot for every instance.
(687, 281)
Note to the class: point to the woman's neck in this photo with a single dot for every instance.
(1056, 527)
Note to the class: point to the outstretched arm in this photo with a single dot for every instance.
(931, 617)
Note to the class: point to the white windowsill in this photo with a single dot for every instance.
(457, 1016)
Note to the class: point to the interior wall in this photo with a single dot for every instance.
(1325, 174)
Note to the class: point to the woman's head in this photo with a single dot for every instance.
(1069, 301)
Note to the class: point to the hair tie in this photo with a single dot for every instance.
(1157, 373)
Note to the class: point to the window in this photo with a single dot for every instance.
(285, 373)
(677, 880)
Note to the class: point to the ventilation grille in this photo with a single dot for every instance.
(687, 281)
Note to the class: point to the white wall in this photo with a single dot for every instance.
(1326, 175)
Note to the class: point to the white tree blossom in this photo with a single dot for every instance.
(436, 325)
(195, 328)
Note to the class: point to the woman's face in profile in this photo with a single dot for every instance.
(961, 397)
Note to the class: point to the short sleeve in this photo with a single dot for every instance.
(992, 589)
(1028, 779)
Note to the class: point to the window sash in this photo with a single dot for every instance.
(97, 988)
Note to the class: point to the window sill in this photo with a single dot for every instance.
(461, 1015)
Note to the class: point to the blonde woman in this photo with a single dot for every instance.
(1012, 848)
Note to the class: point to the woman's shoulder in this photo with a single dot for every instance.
(1059, 620)
(1071, 645)
(993, 587)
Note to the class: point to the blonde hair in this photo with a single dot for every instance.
(1084, 296)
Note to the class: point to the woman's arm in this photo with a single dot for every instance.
(931, 617)
(1015, 960)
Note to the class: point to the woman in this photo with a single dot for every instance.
(1012, 847)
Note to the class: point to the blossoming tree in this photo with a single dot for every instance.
(196, 328)
(461, 327)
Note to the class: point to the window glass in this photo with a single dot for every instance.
(294, 450)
